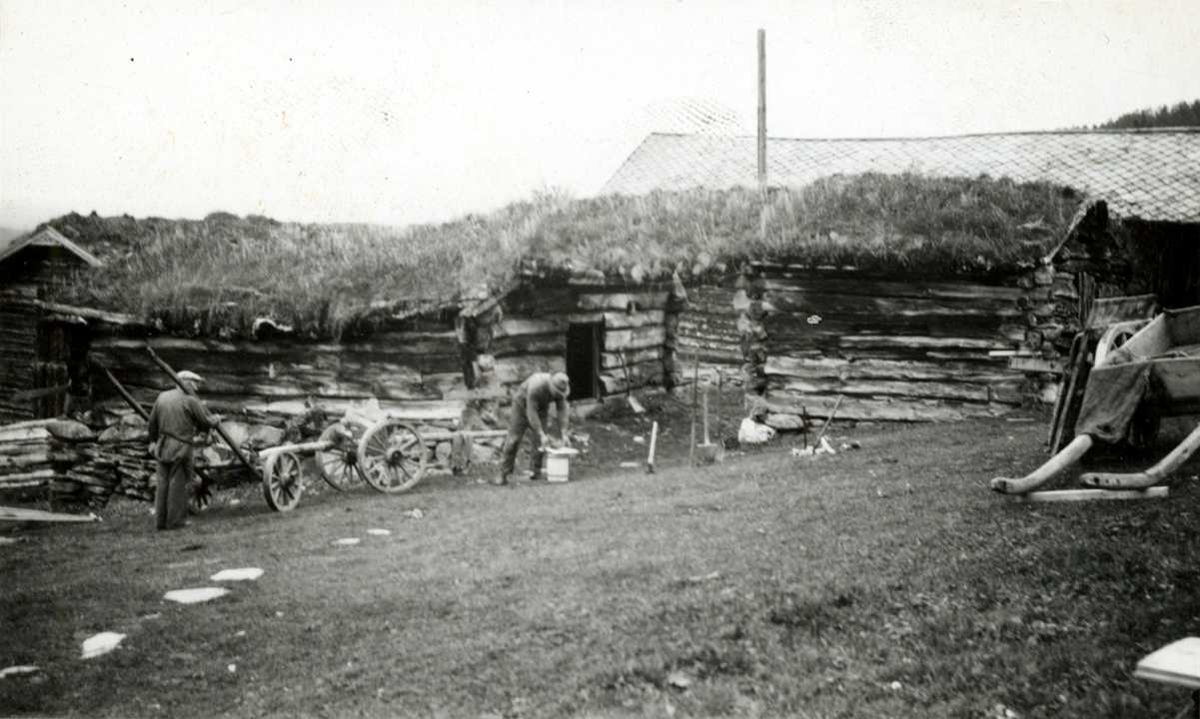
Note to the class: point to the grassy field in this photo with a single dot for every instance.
(882, 582)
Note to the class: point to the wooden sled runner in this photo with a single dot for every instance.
(1170, 343)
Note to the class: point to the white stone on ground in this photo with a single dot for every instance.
(237, 575)
(195, 595)
(379, 532)
(348, 541)
(19, 669)
(101, 643)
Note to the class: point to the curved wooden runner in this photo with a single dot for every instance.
(1059, 462)
(1159, 472)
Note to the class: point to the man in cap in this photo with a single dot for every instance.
(530, 410)
(176, 419)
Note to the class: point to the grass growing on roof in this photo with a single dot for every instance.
(215, 276)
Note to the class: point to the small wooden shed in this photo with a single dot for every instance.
(43, 346)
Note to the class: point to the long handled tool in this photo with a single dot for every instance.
(220, 430)
(653, 444)
(829, 421)
(709, 452)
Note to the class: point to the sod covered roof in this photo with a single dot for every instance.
(222, 274)
(1146, 174)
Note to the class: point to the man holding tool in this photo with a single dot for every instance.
(530, 410)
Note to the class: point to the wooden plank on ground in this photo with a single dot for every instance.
(1086, 495)
(21, 514)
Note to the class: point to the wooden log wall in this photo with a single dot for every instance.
(893, 349)
(411, 374)
(529, 333)
(709, 332)
(18, 357)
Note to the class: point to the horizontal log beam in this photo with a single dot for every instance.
(615, 360)
(632, 339)
(809, 281)
(836, 368)
(1007, 393)
(858, 409)
(902, 342)
(620, 300)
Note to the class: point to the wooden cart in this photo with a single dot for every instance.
(389, 455)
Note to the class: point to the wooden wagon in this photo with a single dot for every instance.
(389, 454)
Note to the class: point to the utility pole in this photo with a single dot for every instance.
(762, 134)
(762, 111)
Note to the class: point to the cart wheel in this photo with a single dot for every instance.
(339, 463)
(282, 482)
(391, 456)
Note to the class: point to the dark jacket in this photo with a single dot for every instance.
(174, 422)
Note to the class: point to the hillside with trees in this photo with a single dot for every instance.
(1182, 114)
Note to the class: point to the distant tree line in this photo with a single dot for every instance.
(1183, 114)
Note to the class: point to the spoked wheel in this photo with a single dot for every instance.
(391, 456)
(339, 463)
(282, 482)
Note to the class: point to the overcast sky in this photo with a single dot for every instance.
(397, 112)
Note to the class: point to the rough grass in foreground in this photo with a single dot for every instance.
(215, 276)
(884, 582)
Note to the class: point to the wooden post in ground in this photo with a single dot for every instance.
(695, 393)
(653, 444)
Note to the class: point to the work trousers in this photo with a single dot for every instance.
(172, 493)
(517, 427)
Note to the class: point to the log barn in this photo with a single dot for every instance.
(934, 343)
(445, 361)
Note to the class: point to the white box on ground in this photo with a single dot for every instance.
(558, 463)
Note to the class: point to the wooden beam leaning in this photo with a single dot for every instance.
(141, 412)
(220, 430)
(129, 400)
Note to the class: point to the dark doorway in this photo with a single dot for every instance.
(61, 368)
(585, 342)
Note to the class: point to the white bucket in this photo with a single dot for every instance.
(558, 464)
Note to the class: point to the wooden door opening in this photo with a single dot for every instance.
(585, 342)
(61, 369)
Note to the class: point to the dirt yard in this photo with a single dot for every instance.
(885, 581)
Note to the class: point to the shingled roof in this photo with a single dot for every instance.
(1146, 174)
